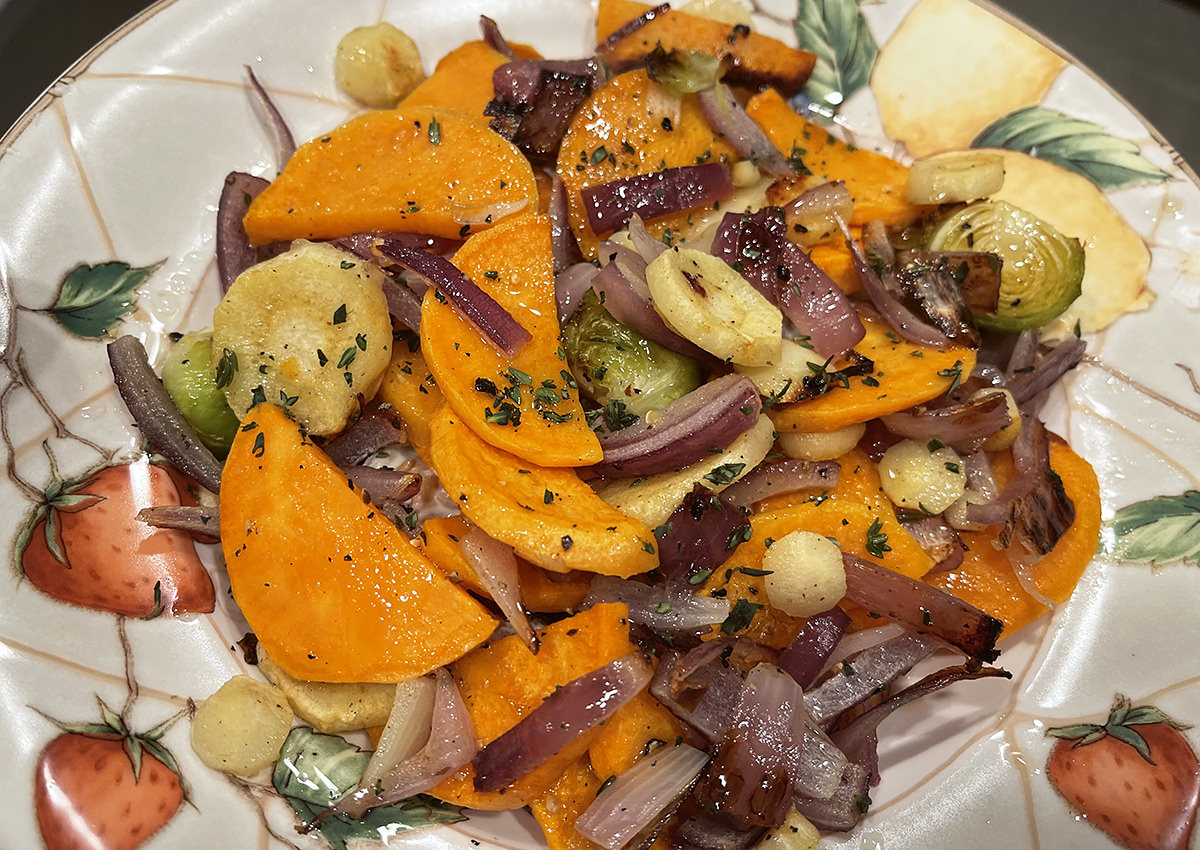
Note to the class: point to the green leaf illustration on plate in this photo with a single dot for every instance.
(315, 770)
(92, 299)
(1080, 146)
(1158, 531)
(837, 33)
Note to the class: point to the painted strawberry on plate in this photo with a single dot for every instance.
(101, 787)
(85, 545)
(1135, 776)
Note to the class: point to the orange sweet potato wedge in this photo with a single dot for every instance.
(557, 809)
(539, 592)
(876, 182)
(905, 374)
(986, 578)
(414, 169)
(409, 387)
(755, 60)
(462, 80)
(548, 515)
(524, 403)
(332, 589)
(502, 682)
(625, 736)
(629, 126)
(852, 523)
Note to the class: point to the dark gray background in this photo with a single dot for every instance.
(1148, 50)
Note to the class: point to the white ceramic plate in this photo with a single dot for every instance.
(109, 187)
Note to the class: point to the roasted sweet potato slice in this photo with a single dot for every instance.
(409, 387)
(631, 125)
(905, 374)
(332, 589)
(462, 80)
(876, 182)
(548, 515)
(525, 403)
(399, 170)
(986, 578)
(502, 682)
(755, 60)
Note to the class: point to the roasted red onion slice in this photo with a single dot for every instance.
(490, 31)
(785, 476)
(646, 245)
(285, 142)
(812, 216)
(976, 273)
(858, 738)
(939, 540)
(197, 520)
(690, 428)
(663, 609)
(933, 288)
(894, 312)
(451, 744)
(1031, 462)
(822, 764)
(235, 254)
(564, 715)
(1046, 370)
(636, 798)
(156, 415)
(805, 657)
(496, 565)
(371, 434)
(863, 673)
(702, 686)
(843, 809)
(758, 247)
(961, 426)
(536, 99)
(562, 239)
(621, 285)
(493, 321)
(699, 536)
(384, 485)
(609, 206)
(923, 608)
(729, 119)
(753, 770)
(569, 286)
(625, 30)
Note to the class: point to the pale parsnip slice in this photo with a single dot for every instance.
(782, 379)
(818, 445)
(707, 302)
(331, 707)
(654, 498)
(241, 727)
(805, 574)
(922, 477)
(955, 176)
(309, 331)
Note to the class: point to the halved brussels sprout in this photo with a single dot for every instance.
(1043, 269)
(612, 362)
(188, 378)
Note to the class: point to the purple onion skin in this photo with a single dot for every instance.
(611, 205)
(490, 31)
(535, 101)
(732, 121)
(805, 656)
(960, 426)
(156, 415)
(561, 718)
(752, 773)
(235, 254)
(923, 608)
(699, 536)
(757, 246)
(492, 320)
(690, 429)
